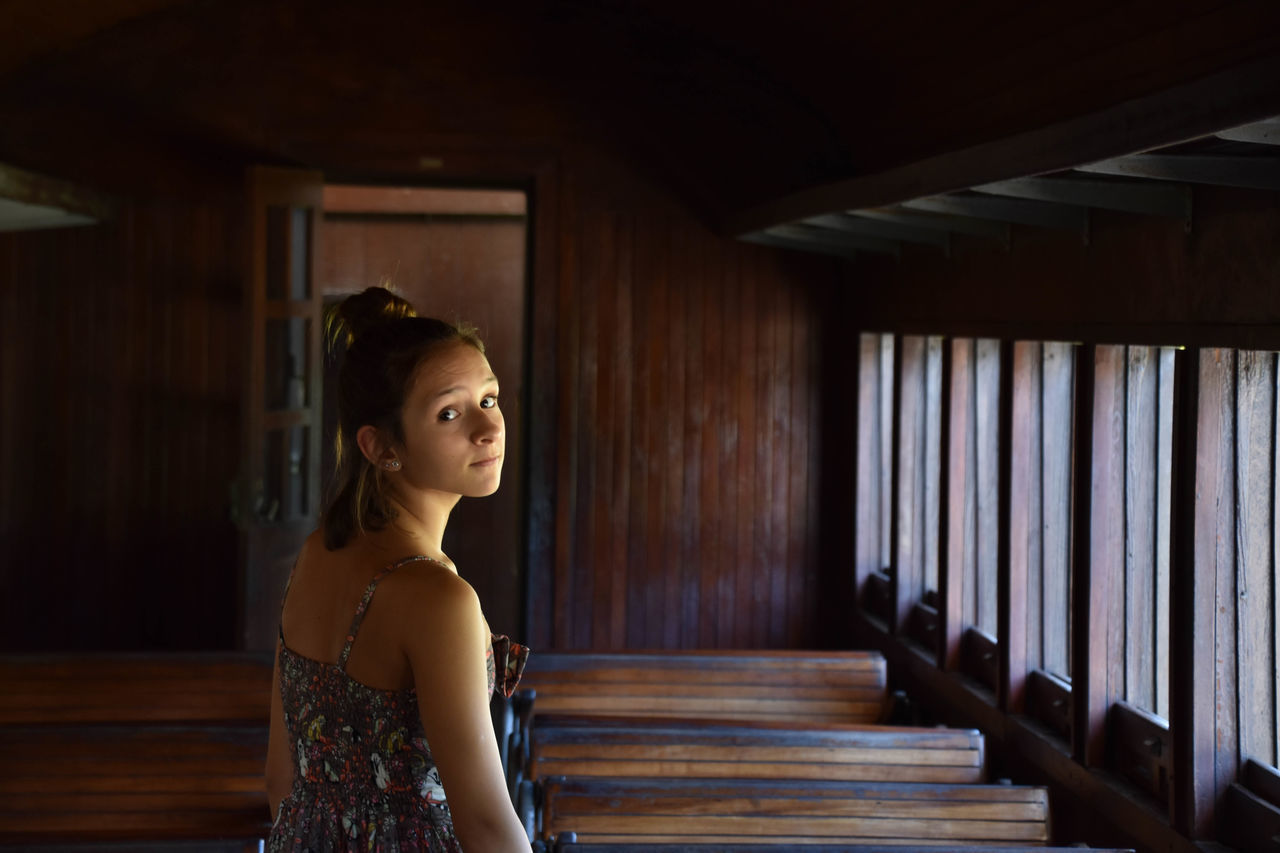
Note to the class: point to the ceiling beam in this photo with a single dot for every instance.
(1266, 132)
(841, 239)
(948, 223)
(882, 230)
(767, 238)
(1143, 197)
(1245, 93)
(1038, 214)
(1254, 173)
(29, 201)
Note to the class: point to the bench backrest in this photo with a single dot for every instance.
(574, 847)
(137, 749)
(845, 687)
(226, 688)
(628, 748)
(782, 812)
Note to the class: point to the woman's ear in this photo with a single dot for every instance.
(376, 449)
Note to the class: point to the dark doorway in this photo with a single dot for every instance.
(456, 254)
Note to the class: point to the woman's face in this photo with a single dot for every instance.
(454, 435)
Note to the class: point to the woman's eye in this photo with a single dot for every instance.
(449, 415)
(489, 402)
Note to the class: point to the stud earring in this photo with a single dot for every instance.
(392, 465)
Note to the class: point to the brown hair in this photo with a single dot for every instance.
(385, 343)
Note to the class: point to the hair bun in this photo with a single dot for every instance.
(360, 312)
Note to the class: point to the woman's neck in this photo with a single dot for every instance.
(422, 522)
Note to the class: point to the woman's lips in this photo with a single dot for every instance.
(484, 463)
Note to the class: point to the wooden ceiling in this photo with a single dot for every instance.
(734, 106)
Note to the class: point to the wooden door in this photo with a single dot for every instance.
(279, 488)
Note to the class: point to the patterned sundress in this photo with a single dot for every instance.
(363, 776)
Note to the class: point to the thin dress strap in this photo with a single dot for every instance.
(283, 597)
(368, 596)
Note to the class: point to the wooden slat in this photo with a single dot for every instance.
(867, 499)
(102, 688)
(1219, 560)
(1026, 493)
(97, 782)
(1136, 632)
(1057, 417)
(1011, 577)
(1255, 538)
(960, 507)
(786, 812)
(748, 847)
(987, 401)
(909, 461)
(1092, 689)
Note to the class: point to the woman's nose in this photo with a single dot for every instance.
(489, 426)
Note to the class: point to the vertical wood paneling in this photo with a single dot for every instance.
(646, 329)
(581, 571)
(684, 613)
(1255, 543)
(568, 356)
(867, 500)
(728, 450)
(598, 518)
(1274, 645)
(1134, 633)
(766, 528)
(1024, 512)
(908, 561)
(750, 435)
(959, 585)
(932, 463)
(119, 382)
(1097, 684)
(695, 421)
(1058, 418)
(1162, 614)
(672, 404)
(1213, 701)
(620, 463)
(885, 411)
(987, 473)
(710, 438)
(690, 374)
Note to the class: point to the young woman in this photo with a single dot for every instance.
(381, 738)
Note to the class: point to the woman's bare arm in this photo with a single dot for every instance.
(279, 761)
(446, 645)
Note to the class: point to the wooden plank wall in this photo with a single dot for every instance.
(1238, 419)
(689, 424)
(120, 376)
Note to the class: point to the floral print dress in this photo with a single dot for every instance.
(363, 774)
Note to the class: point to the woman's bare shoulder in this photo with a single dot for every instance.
(427, 587)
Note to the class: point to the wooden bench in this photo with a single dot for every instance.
(737, 811)
(134, 749)
(788, 686)
(620, 747)
(843, 687)
(567, 843)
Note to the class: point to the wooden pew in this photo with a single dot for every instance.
(567, 843)
(788, 686)
(148, 751)
(621, 747)
(737, 811)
